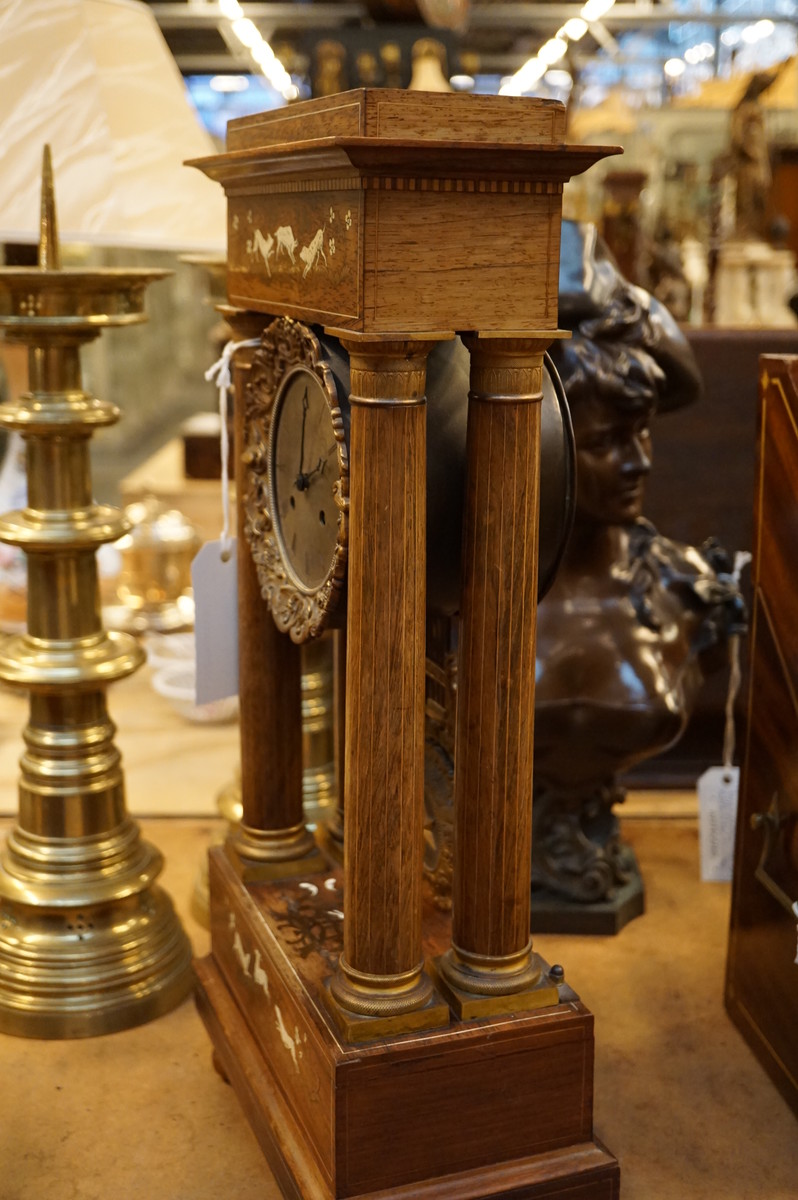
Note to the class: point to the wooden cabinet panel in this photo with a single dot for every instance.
(762, 969)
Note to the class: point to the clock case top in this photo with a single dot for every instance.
(380, 210)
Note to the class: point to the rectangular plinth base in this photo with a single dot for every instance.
(499, 1107)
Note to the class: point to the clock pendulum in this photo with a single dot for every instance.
(381, 1048)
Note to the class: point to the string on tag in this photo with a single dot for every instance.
(741, 560)
(220, 374)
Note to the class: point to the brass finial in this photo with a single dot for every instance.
(49, 250)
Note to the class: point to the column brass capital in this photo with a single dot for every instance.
(508, 368)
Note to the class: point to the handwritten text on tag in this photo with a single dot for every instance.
(717, 816)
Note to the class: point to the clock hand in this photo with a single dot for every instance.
(319, 467)
(301, 479)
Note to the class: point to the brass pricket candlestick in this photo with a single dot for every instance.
(88, 943)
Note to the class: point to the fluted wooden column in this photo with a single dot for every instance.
(272, 839)
(381, 973)
(335, 828)
(491, 952)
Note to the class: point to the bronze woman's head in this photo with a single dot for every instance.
(627, 360)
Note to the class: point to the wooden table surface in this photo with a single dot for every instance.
(679, 1097)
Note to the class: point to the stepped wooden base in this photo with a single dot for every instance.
(494, 1108)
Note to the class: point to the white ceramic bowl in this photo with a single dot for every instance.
(176, 684)
(170, 649)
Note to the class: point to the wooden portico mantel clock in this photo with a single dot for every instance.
(379, 1048)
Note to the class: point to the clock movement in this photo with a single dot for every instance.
(381, 1047)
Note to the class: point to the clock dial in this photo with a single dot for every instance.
(303, 472)
(296, 488)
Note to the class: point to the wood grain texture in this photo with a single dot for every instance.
(581, 1170)
(279, 1013)
(339, 733)
(425, 272)
(499, 1107)
(384, 768)
(775, 546)
(494, 742)
(464, 195)
(761, 976)
(389, 112)
(269, 677)
(241, 1060)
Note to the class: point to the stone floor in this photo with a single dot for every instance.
(679, 1098)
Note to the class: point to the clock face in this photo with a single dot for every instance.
(303, 472)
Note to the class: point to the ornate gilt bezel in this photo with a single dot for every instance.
(301, 613)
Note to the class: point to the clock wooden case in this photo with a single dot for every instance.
(380, 1048)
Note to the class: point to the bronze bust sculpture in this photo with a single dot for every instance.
(632, 623)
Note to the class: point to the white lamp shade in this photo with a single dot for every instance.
(95, 79)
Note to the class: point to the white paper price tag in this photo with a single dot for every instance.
(717, 817)
(216, 622)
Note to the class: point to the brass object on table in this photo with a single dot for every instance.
(89, 943)
(155, 575)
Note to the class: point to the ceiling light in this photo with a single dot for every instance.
(229, 83)
(674, 67)
(263, 54)
(575, 28)
(231, 9)
(525, 78)
(594, 10)
(246, 32)
(552, 50)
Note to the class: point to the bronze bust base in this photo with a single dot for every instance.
(578, 850)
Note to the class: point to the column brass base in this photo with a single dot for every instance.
(478, 986)
(86, 949)
(359, 1027)
(367, 1007)
(468, 1005)
(262, 856)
